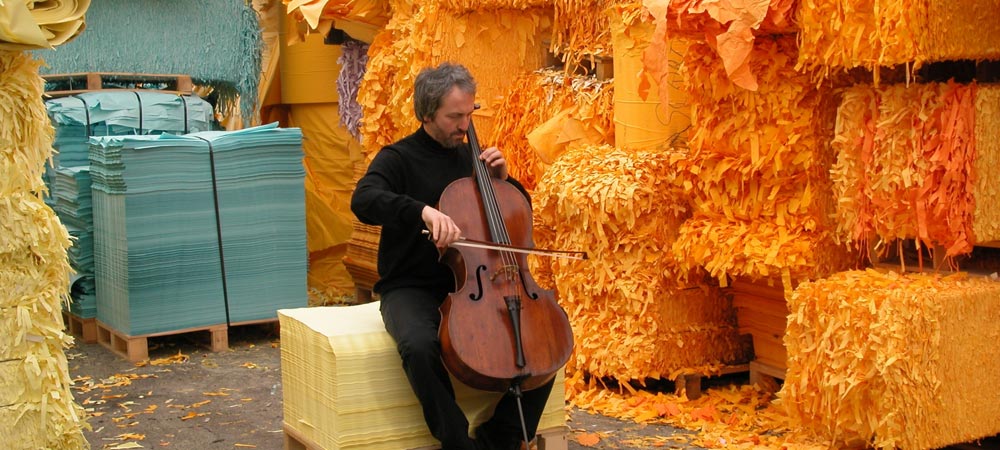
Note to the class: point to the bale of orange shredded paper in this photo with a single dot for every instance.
(757, 249)
(729, 27)
(894, 361)
(631, 317)
(580, 30)
(767, 160)
(486, 5)
(757, 169)
(986, 220)
(579, 27)
(906, 156)
(562, 111)
(430, 34)
(960, 29)
(707, 19)
(843, 34)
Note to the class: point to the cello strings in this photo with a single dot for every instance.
(498, 228)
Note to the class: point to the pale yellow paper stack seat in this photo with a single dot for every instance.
(344, 386)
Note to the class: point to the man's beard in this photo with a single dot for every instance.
(455, 141)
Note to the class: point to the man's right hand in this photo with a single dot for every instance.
(443, 230)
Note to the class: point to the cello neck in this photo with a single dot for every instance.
(494, 218)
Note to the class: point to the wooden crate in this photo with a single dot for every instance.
(62, 85)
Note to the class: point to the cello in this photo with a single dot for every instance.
(499, 330)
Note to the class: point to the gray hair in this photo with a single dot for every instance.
(433, 84)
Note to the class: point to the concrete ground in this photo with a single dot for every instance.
(187, 397)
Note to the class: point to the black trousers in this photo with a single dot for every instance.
(412, 317)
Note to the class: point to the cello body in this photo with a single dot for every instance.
(499, 328)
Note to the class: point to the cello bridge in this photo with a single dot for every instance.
(511, 271)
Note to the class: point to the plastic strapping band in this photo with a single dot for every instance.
(86, 113)
(184, 101)
(139, 98)
(218, 226)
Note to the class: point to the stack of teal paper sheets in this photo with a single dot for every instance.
(261, 194)
(118, 113)
(74, 207)
(198, 230)
(103, 113)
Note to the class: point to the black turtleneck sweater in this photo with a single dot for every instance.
(402, 179)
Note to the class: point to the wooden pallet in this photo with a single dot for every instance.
(62, 85)
(84, 329)
(766, 377)
(136, 348)
(548, 439)
(690, 384)
(273, 324)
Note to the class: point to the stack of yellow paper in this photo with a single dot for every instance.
(344, 386)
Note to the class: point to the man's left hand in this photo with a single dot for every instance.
(496, 162)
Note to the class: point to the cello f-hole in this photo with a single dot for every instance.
(479, 282)
(532, 295)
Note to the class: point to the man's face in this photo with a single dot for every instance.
(449, 124)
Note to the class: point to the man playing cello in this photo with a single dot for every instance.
(400, 190)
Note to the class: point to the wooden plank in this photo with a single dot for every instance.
(65, 84)
(759, 369)
(765, 377)
(60, 94)
(296, 441)
(757, 289)
(770, 350)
